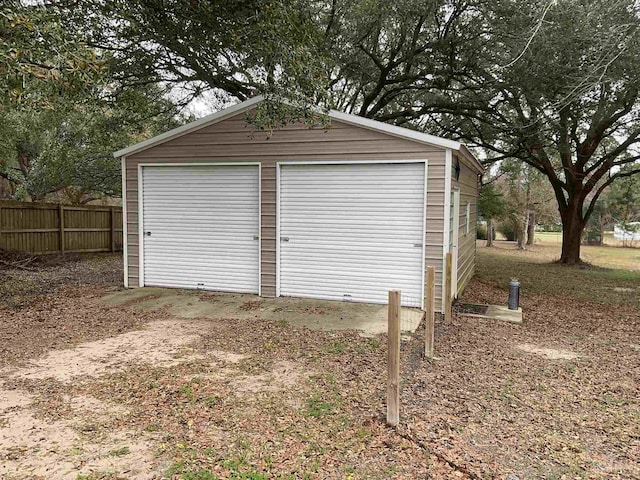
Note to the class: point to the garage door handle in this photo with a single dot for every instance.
(256, 237)
(284, 239)
(417, 245)
(147, 234)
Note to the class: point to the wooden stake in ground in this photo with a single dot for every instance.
(429, 330)
(393, 360)
(447, 289)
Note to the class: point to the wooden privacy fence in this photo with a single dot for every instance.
(41, 228)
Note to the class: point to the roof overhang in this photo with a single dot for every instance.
(333, 114)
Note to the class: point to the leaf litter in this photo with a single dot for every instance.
(260, 399)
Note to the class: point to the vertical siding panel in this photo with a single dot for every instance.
(468, 184)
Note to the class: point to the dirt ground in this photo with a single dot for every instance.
(96, 390)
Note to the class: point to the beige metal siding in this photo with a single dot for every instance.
(435, 219)
(233, 140)
(468, 185)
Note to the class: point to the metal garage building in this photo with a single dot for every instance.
(344, 213)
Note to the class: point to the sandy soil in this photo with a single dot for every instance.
(89, 439)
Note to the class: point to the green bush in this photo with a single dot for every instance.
(508, 231)
(591, 237)
(481, 231)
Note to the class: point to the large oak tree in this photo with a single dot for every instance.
(553, 84)
(561, 95)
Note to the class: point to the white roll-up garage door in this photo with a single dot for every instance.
(352, 231)
(200, 227)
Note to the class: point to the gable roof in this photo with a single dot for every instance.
(333, 114)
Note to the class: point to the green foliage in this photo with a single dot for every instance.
(40, 59)
(71, 148)
(491, 202)
(560, 93)
(507, 229)
(201, 474)
(624, 197)
(317, 407)
(481, 231)
(61, 124)
(336, 347)
(550, 227)
(233, 49)
(120, 452)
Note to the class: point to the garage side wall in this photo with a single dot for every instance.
(468, 185)
(233, 140)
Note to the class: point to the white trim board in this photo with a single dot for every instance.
(424, 235)
(125, 239)
(448, 163)
(456, 243)
(260, 229)
(140, 230)
(277, 229)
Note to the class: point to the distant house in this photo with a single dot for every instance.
(629, 232)
(345, 213)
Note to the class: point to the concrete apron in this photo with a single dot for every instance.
(499, 312)
(370, 319)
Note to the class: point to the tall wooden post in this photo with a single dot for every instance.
(61, 226)
(112, 225)
(429, 332)
(447, 292)
(393, 359)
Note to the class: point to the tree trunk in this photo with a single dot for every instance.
(521, 233)
(572, 227)
(489, 232)
(531, 228)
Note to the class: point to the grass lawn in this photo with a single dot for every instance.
(610, 255)
(610, 268)
(192, 398)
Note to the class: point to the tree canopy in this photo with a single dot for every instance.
(551, 84)
(65, 110)
(561, 97)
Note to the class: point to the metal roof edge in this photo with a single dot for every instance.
(394, 130)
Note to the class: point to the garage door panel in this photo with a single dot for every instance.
(353, 231)
(204, 223)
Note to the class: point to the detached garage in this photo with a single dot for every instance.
(345, 213)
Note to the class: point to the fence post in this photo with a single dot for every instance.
(447, 293)
(112, 224)
(393, 359)
(61, 226)
(429, 331)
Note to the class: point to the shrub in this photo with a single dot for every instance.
(591, 237)
(481, 231)
(508, 231)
